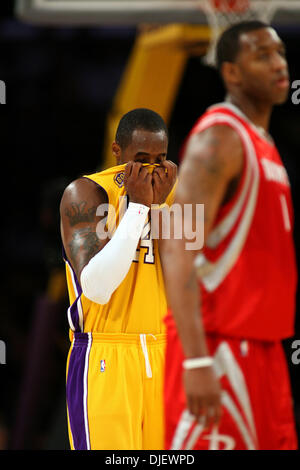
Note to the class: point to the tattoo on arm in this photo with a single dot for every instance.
(77, 213)
(86, 242)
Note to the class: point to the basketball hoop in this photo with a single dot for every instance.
(231, 6)
(223, 13)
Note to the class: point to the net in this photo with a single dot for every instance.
(223, 13)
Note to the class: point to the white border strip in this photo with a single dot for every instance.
(213, 274)
(221, 230)
(185, 423)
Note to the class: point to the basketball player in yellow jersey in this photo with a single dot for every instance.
(117, 298)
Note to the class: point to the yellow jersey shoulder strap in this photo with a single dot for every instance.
(112, 182)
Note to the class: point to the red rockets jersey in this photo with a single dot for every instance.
(247, 269)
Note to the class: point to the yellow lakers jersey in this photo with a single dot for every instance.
(138, 305)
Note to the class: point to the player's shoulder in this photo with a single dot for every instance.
(219, 136)
(219, 125)
(111, 178)
(83, 189)
(217, 149)
(222, 114)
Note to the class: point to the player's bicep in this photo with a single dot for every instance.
(212, 159)
(79, 222)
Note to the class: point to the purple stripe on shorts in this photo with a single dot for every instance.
(76, 389)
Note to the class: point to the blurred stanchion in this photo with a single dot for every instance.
(153, 73)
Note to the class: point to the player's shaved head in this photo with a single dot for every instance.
(138, 119)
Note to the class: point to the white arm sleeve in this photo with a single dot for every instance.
(107, 269)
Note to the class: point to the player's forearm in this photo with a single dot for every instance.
(108, 268)
(184, 297)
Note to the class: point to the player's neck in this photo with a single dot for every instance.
(258, 113)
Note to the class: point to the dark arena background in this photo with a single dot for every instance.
(66, 84)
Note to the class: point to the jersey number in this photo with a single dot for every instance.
(146, 242)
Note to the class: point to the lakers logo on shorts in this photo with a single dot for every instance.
(119, 179)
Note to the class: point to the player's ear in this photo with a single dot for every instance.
(116, 151)
(231, 73)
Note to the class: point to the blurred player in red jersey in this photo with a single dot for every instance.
(227, 383)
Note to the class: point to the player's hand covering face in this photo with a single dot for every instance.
(163, 180)
(138, 183)
(149, 184)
